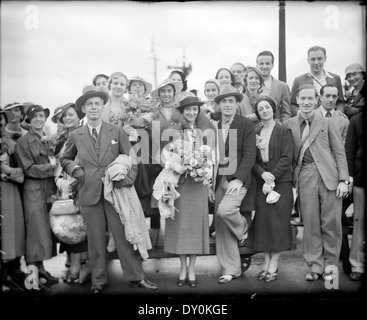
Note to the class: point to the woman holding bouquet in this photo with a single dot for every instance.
(66, 185)
(271, 229)
(187, 234)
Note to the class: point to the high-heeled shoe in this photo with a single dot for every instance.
(271, 276)
(262, 275)
(180, 282)
(192, 283)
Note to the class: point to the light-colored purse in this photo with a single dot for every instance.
(67, 222)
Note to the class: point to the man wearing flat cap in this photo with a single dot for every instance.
(237, 153)
(97, 145)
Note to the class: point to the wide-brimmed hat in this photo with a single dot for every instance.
(13, 105)
(33, 109)
(56, 114)
(79, 112)
(90, 91)
(228, 91)
(148, 86)
(176, 84)
(188, 102)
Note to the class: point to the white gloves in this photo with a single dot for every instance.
(267, 187)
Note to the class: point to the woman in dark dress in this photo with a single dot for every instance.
(271, 230)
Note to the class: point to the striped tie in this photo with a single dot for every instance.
(94, 135)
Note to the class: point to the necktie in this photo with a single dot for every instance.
(305, 134)
(328, 114)
(94, 135)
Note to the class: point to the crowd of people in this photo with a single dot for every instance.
(251, 155)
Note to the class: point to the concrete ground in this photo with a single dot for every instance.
(289, 287)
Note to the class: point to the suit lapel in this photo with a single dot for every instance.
(316, 126)
(234, 125)
(105, 139)
(87, 142)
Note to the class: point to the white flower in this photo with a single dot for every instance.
(193, 162)
(200, 172)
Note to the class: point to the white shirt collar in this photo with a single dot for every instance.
(98, 128)
(326, 75)
(324, 111)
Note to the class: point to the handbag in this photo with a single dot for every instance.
(67, 222)
(142, 182)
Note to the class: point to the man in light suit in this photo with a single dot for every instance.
(274, 88)
(318, 77)
(320, 174)
(97, 144)
(237, 153)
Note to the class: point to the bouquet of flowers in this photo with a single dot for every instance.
(136, 108)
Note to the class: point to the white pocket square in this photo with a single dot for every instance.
(113, 141)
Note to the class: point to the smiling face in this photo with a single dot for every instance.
(118, 86)
(38, 120)
(265, 110)
(190, 113)
(102, 84)
(316, 60)
(70, 118)
(93, 108)
(253, 81)
(355, 78)
(16, 115)
(306, 100)
(265, 65)
(211, 91)
(166, 94)
(228, 106)
(224, 77)
(137, 88)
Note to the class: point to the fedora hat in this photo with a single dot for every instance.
(188, 102)
(90, 91)
(148, 86)
(57, 112)
(78, 111)
(228, 91)
(33, 109)
(177, 86)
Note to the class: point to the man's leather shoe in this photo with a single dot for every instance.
(146, 284)
(48, 277)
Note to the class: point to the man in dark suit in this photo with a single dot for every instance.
(320, 174)
(274, 88)
(318, 77)
(237, 153)
(97, 144)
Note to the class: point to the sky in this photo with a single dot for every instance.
(51, 49)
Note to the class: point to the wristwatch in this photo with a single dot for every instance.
(345, 181)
